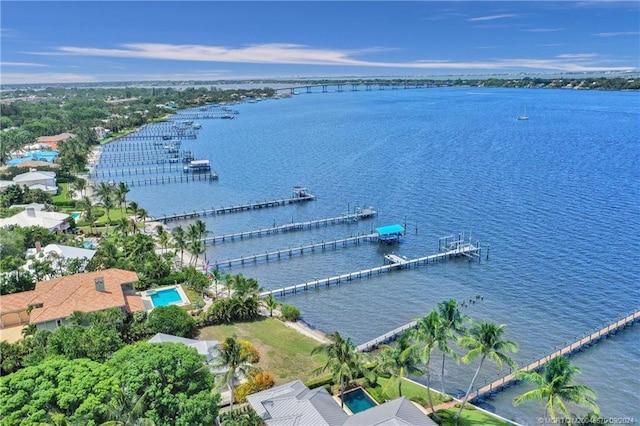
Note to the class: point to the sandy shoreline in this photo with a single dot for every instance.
(303, 328)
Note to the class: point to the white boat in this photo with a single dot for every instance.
(524, 115)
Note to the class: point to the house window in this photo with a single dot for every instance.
(59, 322)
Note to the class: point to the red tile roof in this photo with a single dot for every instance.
(61, 296)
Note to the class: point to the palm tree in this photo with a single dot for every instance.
(87, 204)
(452, 323)
(196, 247)
(426, 335)
(228, 283)
(485, 340)
(342, 360)
(270, 303)
(79, 185)
(217, 276)
(201, 228)
(142, 215)
(397, 362)
(108, 203)
(236, 361)
(554, 387)
(126, 408)
(120, 193)
(180, 241)
(164, 240)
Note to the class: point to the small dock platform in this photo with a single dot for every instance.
(466, 249)
(366, 213)
(290, 252)
(297, 198)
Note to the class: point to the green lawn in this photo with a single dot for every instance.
(283, 351)
(470, 417)
(411, 390)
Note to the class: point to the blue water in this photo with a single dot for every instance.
(166, 297)
(556, 198)
(357, 400)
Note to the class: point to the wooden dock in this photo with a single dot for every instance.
(368, 212)
(160, 180)
(290, 252)
(577, 345)
(385, 338)
(466, 249)
(232, 209)
(169, 168)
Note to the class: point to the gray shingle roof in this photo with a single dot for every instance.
(293, 404)
(399, 412)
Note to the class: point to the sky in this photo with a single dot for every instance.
(92, 41)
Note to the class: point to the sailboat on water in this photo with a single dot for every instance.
(524, 115)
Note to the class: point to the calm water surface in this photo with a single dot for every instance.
(557, 199)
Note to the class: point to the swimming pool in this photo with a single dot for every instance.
(164, 297)
(358, 400)
(76, 215)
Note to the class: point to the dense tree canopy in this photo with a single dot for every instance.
(75, 389)
(173, 379)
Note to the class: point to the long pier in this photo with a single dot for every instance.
(169, 168)
(290, 252)
(466, 249)
(160, 180)
(296, 226)
(233, 208)
(575, 346)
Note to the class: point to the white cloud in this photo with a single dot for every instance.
(37, 78)
(22, 64)
(492, 17)
(283, 53)
(618, 34)
(577, 55)
(295, 54)
(543, 30)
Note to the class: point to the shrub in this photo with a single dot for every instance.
(259, 382)
(321, 381)
(172, 319)
(250, 350)
(290, 313)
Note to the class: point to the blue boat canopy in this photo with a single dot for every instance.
(390, 230)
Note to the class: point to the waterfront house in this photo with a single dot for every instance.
(53, 301)
(34, 216)
(59, 255)
(53, 141)
(294, 403)
(35, 179)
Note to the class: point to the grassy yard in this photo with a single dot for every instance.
(283, 351)
(410, 390)
(470, 417)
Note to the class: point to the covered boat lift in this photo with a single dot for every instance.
(390, 234)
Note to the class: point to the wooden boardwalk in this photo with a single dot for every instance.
(296, 226)
(462, 250)
(578, 344)
(232, 209)
(290, 252)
